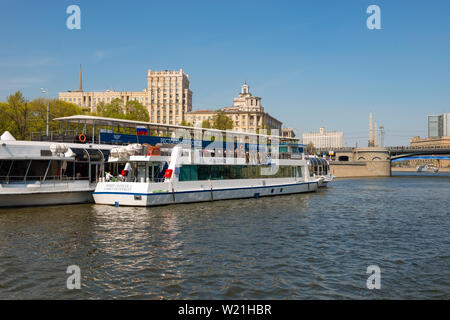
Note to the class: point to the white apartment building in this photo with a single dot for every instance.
(323, 139)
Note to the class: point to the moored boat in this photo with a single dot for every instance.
(46, 173)
(427, 168)
(160, 175)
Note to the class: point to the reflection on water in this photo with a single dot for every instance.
(314, 245)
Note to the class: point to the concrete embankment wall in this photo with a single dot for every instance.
(354, 169)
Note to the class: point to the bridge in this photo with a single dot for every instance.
(392, 152)
(376, 161)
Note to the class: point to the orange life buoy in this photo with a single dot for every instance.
(82, 138)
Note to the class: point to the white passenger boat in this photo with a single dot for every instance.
(427, 168)
(47, 173)
(160, 176)
(321, 169)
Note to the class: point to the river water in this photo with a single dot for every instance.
(306, 246)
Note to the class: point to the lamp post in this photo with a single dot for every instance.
(48, 106)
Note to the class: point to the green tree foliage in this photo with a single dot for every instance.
(185, 123)
(133, 110)
(57, 109)
(113, 109)
(21, 117)
(16, 113)
(206, 124)
(136, 111)
(221, 121)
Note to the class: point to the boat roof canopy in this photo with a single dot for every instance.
(103, 121)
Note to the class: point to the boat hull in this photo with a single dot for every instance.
(322, 183)
(45, 199)
(133, 198)
(49, 193)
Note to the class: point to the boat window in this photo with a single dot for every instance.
(95, 155)
(5, 165)
(80, 154)
(188, 173)
(69, 171)
(19, 169)
(81, 171)
(156, 172)
(203, 172)
(53, 170)
(37, 169)
(141, 172)
(224, 172)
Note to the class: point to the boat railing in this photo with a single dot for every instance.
(70, 136)
(40, 179)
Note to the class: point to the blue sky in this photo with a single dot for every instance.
(314, 63)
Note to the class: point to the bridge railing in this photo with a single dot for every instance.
(409, 148)
(395, 148)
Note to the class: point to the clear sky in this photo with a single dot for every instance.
(314, 63)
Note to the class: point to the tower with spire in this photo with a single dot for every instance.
(80, 82)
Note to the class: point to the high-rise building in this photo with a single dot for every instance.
(167, 96)
(247, 114)
(435, 126)
(446, 124)
(324, 139)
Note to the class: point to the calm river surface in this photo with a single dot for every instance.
(306, 246)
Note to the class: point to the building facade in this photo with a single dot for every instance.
(246, 112)
(324, 139)
(434, 126)
(439, 142)
(287, 133)
(439, 125)
(167, 96)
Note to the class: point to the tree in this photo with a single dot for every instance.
(100, 108)
(21, 117)
(57, 109)
(221, 121)
(134, 110)
(185, 123)
(5, 124)
(114, 109)
(16, 113)
(206, 124)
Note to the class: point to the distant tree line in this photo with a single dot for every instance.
(133, 110)
(21, 116)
